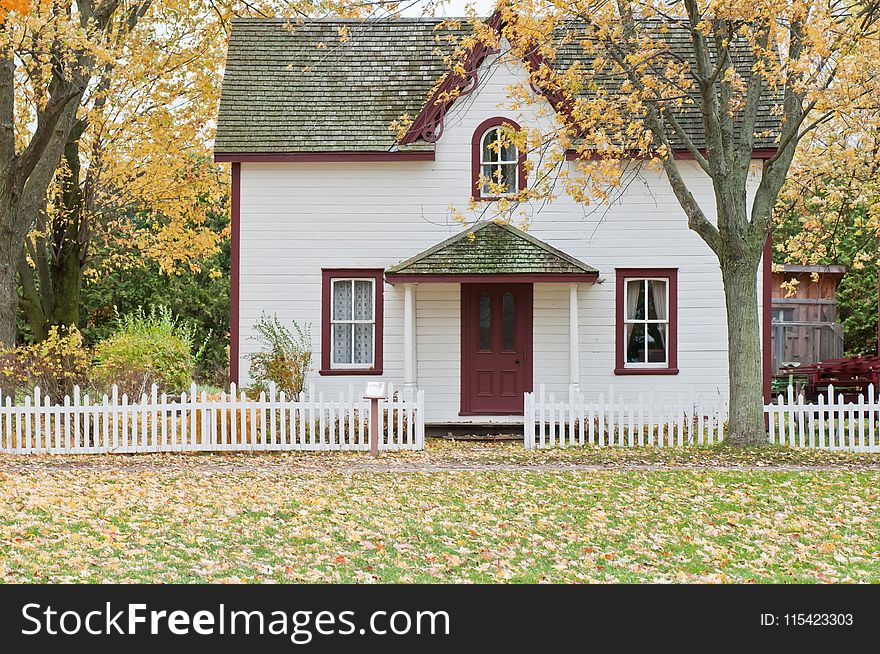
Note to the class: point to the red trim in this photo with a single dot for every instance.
(561, 102)
(428, 125)
(619, 359)
(482, 128)
(312, 157)
(234, 269)
(574, 155)
(326, 301)
(468, 335)
(767, 316)
(532, 278)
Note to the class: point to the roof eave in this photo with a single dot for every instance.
(363, 156)
(492, 278)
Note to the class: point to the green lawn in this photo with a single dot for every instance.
(505, 515)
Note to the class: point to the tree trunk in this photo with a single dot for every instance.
(740, 276)
(10, 250)
(8, 295)
(67, 283)
(67, 232)
(51, 286)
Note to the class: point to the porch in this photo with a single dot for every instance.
(469, 310)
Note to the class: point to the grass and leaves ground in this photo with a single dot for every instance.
(456, 512)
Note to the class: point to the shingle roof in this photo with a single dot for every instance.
(676, 34)
(494, 250)
(284, 93)
(299, 89)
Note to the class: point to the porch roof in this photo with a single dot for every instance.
(492, 252)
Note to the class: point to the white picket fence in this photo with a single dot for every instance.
(618, 421)
(199, 422)
(829, 423)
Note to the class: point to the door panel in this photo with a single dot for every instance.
(496, 348)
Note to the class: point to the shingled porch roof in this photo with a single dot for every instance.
(495, 253)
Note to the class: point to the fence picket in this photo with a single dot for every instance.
(831, 422)
(224, 422)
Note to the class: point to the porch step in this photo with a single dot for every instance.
(475, 434)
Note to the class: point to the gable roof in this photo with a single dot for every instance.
(494, 249)
(299, 89)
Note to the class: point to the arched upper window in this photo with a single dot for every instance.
(498, 169)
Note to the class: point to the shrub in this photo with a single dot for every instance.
(55, 364)
(285, 357)
(147, 348)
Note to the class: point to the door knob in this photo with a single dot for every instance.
(517, 362)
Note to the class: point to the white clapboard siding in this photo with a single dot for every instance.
(829, 423)
(615, 420)
(195, 421)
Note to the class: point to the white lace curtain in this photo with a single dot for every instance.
(353, 321)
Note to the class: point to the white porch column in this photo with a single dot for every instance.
(409, 336)
(574, 353)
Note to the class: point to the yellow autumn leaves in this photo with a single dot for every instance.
(502, 516)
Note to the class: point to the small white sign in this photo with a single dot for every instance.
(375, 390)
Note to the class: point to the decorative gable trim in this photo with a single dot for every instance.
(428, 125)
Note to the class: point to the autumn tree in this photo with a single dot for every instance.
(134, 138)
(802, 58)
(140, 143)
(47, 59)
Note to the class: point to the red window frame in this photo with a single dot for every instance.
(482, 128)
(621, 275)
(376, 274)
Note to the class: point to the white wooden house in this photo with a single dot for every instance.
(337, 224)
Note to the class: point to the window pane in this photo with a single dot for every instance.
(635, 299)
(485, 321)
(508, 321)
(657, 300)
(508, 150)
(487, 172)
(363, 343)
(363, 300)
(489, 146)
(342, 343)
(508, 177)
(635, 343)
(342, 300)
(656, 343)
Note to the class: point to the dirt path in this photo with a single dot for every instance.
(208, 465)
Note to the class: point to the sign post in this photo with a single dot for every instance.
(374, 392)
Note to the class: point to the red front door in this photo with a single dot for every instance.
(496, 348)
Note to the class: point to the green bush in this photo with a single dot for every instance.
(285, 357)
(147, 348)
(201, 298)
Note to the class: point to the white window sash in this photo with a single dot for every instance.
(497, 161)
(351, 365)
(646, 321)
